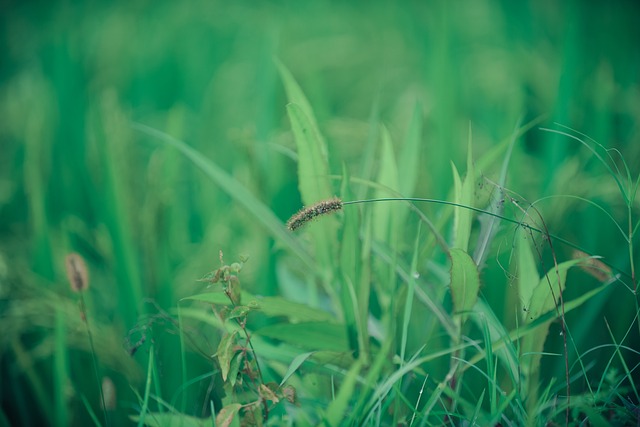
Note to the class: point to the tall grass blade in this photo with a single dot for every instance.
(410, 153)
(463, 196)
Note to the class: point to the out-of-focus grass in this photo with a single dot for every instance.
(76, 176)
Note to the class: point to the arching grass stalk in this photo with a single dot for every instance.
(335, 204)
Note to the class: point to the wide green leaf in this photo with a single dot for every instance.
(226, 351)
(465, 281)
(270, 306)
(310, 336)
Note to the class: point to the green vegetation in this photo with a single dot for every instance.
(480, 270)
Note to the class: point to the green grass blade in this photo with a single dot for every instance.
(355, 303)
(410, 154)
(338, 407)
(90, 411)
(61, 369)
(383, 215)
(295, 364)
(147, 389)
(489, 222)
(464, 196)
(408, 306)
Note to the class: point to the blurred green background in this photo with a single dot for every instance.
(76, 176)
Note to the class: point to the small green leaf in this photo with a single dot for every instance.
(239, 311)
(226, 351)
(295, 364)
(465, 282)
(212, 277)
(227, 414)
(234, 367)
(233, 290)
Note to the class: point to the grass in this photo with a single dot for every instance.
(481, 269)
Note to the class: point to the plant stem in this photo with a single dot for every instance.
(93, 357)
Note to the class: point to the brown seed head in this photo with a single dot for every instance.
(307, 214)
(77, 272)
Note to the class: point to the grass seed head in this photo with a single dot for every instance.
(307, 214)
(77, 272)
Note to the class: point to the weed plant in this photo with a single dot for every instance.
(464, 247)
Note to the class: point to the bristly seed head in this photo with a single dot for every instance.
(305, 215)
(77, 272)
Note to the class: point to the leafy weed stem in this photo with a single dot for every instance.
(243, 325)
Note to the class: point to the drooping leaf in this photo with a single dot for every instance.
(550, 286)
(226, 351)
(528, 277)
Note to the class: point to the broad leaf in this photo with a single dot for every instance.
(465, 282)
